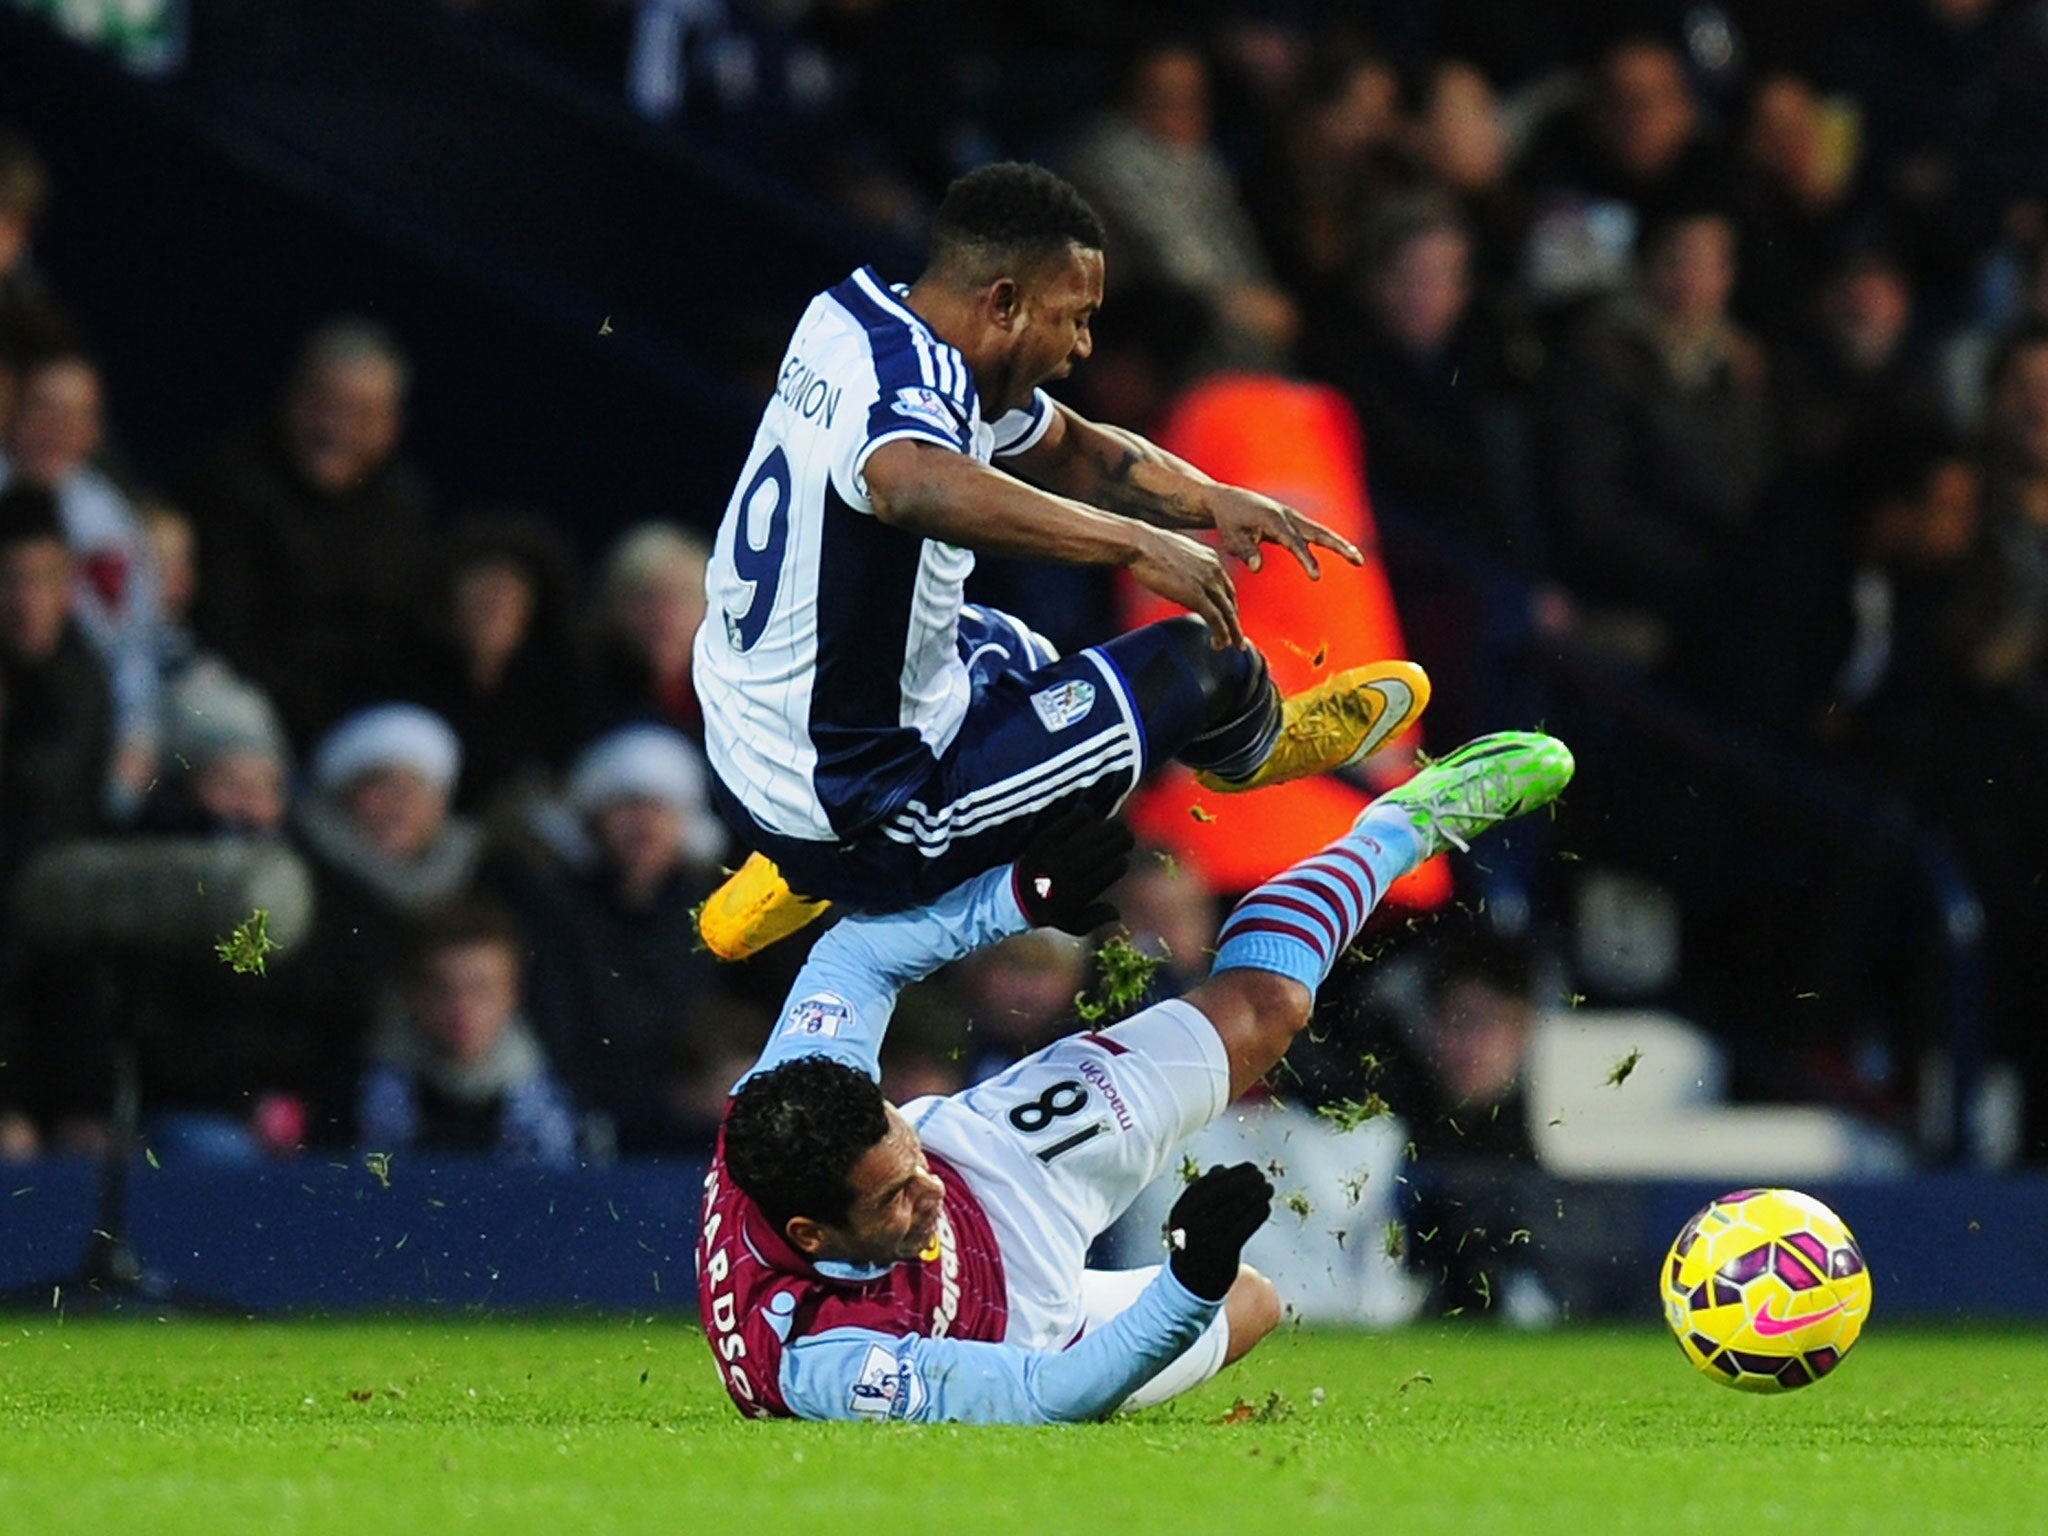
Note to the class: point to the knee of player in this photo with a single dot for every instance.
(1228, 676)
(1281, 1004)
(1253, 1309)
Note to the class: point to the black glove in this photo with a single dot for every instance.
(1071, 861)
(1211, 1222)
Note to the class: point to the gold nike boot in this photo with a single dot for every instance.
(1342, 720)
(753, 909)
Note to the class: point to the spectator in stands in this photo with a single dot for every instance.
(1859, 361)
(1938, 696)
(499, 660)
(24, 192)
(55, 432)
(174, 547)
(456, 1068)
(621, 994)
(313, 534)
(20, 1139)
(2016, 275)
(227, 765)
(1334, 153)
(650, 604)
(1459, 144)
(1153, 172)
(34, 607)
(1635, 155)
(1955, 98)
(1798, 168)
(1461, 1091)
(55, 707)
(927, 1048)
(1467, 1112)
(1659, 442)
(376, 827)
(1169, 914)
(2017, 489)
(226, 1063)
(1019, 996)
(1443, 433)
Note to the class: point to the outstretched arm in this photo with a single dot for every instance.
(951, 497)
(1121, 472)
(843, 997)
(851, 1373)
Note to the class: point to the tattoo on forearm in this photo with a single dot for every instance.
(1119, 492)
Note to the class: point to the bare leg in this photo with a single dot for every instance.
(1253, 1309)
(1258, 1014)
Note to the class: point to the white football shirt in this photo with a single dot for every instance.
(828, 665)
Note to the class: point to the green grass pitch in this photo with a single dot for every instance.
(389, 1427)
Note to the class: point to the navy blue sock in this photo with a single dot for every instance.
(1211, 709)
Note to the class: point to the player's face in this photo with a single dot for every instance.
(896, 1202)
(1055, 314)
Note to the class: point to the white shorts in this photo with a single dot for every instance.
(1061, 1143)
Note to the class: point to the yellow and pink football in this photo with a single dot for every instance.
(1766, 1290)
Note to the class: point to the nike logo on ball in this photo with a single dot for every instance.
(1772, 1327)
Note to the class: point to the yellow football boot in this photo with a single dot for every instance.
(1343, 720)
(753, 909)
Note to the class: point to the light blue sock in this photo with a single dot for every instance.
(1301, 920)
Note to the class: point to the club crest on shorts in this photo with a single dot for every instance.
(1061, 705)
(819, 1014)
(926, 405)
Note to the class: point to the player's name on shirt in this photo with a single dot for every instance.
(804, 390)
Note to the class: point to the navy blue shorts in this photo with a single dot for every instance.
(1040, 731)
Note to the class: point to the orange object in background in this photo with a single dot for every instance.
(1301, 444)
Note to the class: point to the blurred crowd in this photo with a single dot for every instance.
(1717, 333)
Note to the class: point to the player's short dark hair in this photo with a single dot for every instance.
(1010, 217)
(794, 1133)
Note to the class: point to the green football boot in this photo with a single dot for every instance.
(1482, 784)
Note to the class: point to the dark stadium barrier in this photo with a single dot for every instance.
(356, 1231)
(351, 1232)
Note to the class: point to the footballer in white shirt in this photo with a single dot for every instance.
(875, 738)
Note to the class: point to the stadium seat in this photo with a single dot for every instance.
(1666, 1118)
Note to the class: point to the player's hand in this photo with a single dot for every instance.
(1245, 520)
(1212, 1221)
(1072, 860)
(1185, 571)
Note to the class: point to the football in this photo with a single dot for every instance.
(1766, 1290)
